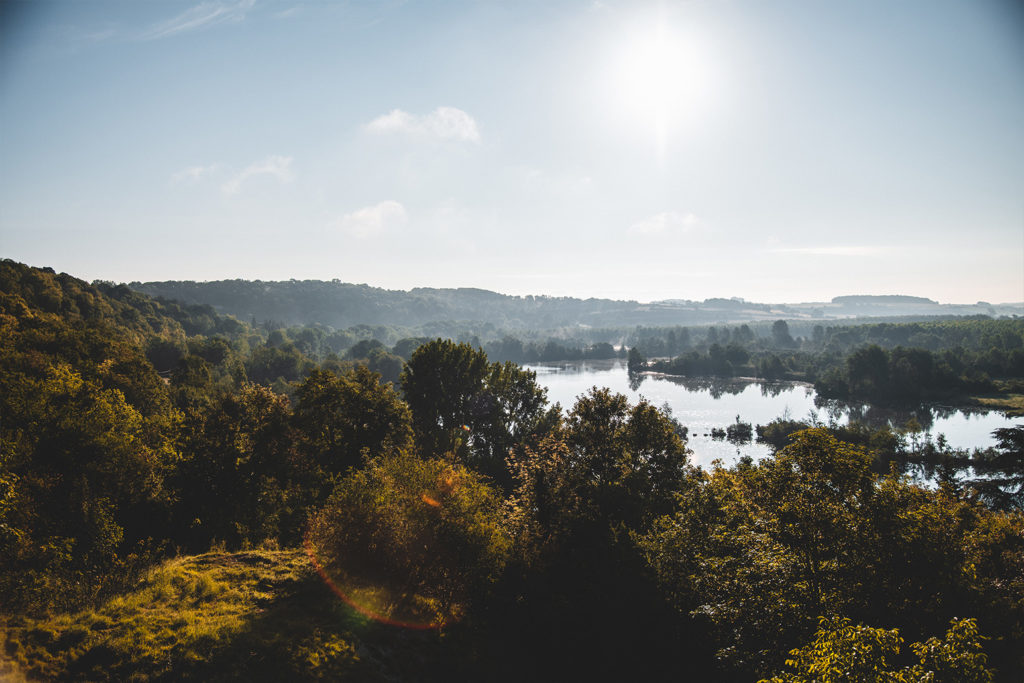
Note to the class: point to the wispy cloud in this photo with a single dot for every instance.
(202, 16)
(446, 123)
(830, 251)
(98, 35)
(287, 13)
(665, 223)
(371, 220)
(276, 166)
(194, 174)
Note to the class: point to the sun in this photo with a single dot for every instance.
(661, 78)
(654, 72)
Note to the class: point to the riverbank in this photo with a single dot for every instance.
(1012, 405)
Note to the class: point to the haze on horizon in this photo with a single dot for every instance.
(780, 152)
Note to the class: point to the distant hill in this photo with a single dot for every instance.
(883, 299)
(341, 305)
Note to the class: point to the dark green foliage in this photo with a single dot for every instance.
(268, 363)
(1001, 469)
(635, 362)
(236, 479)
(364, 348)
(763, 551)
(780, 334)
(404, 348)
(442, 383)
(340, 418)
(629, 459)
(475, 410)
(872, 362)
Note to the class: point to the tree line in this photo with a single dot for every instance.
(864, 362)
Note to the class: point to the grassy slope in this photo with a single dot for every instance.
(254, 616)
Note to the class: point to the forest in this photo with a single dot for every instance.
(186, 495)
(341, 304)
(882, 363)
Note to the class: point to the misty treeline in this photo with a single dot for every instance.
(556, 545)
(341, 305)
(885, 363)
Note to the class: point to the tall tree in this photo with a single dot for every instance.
(443, 383)
(339, 417)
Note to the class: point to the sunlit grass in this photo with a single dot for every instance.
(205, 617)
(1013, 404)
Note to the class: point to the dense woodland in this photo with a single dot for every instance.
(884, 363)
(504, 538)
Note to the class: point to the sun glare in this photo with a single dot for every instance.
(660, 80)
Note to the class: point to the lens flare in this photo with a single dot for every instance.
(384, 577)
(373, 602)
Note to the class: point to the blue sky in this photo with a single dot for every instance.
(772, 150)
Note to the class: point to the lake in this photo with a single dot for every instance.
(701, 404)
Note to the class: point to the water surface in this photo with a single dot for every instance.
(701, 404)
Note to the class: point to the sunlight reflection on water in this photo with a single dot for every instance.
(701, 404)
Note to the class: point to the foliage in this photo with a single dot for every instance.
(1002, 469)
(761, 551)
(237, 481)
(81, 467)
(442, 383)
(636, 362)
(339, 418)
(462, 404)
(428, 532)
(842, 653)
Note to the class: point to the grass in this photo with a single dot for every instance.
(253, 616)
(1012, 404)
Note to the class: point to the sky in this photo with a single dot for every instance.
(775, 150)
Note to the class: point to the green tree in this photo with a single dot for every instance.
(442, 384)
(780, 335)
(623, 462)
(636, 361)
(422, 538)
(234, 483)
(340, 417)
(512, 410)
(82, 479)
(867, 372)
(1003, 468)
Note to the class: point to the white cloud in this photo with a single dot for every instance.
(277, 166)
(371, 220)
(203, 15)
(446, 123)
(665, 223)
(193, 174)
(830, 251)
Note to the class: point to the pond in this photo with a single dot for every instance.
(702, 404)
